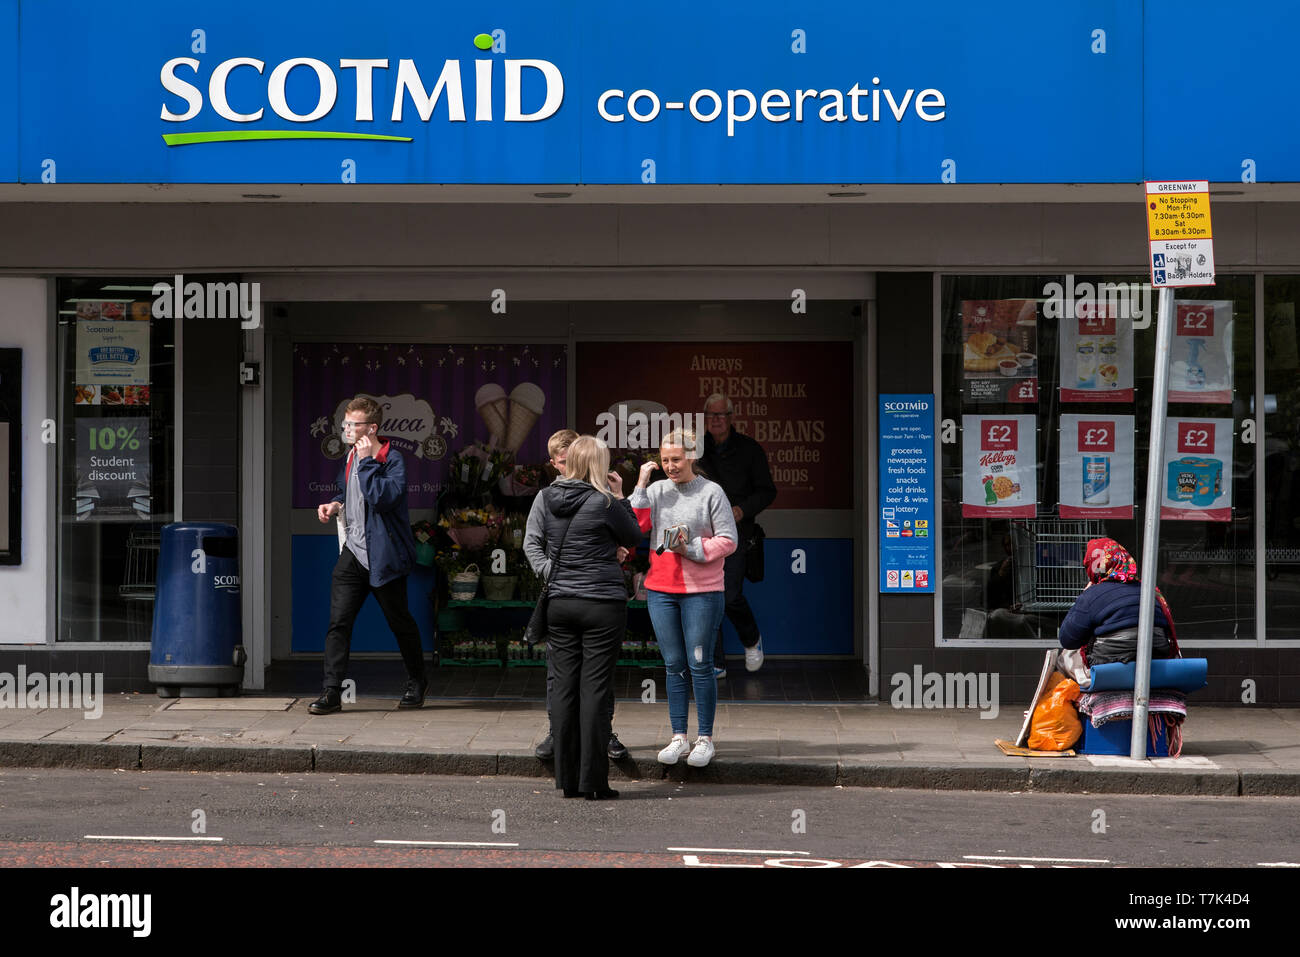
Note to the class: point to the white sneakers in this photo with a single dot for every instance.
(754, 656)
(676, 748)
(700, 755)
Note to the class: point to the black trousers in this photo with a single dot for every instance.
(583, 639)
(550, 688)
(348, 590)
(738, 611)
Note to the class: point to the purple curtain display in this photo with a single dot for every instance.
(437, 399)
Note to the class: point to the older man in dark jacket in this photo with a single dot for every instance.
(376, 553)
(739, 465)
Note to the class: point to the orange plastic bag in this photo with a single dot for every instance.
(1055, 725)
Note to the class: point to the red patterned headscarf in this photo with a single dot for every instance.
(1106, 560)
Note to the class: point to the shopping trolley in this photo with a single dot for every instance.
(1049, 561)
(138, 582)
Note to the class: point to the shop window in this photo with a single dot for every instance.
(116, 431)
(1281, 438)
(1047, 381)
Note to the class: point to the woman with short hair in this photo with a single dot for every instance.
(692, 531)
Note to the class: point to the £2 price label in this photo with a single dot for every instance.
(1097, 436)
(1195, 321)
(999, 435)
(1196, 438)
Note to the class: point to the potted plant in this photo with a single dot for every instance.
(471, 528)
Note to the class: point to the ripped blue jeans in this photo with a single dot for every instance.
(686, 627)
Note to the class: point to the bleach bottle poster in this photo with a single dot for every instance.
(1096, 466)
(998, 466)
(1198, 470)
(1096, 354)
(1200, 358)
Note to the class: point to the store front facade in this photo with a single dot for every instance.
(736, 261)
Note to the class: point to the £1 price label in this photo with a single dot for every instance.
(999, 435)
(1095, 318)
(1195, 321)
(1196, 438)
(1097, 436)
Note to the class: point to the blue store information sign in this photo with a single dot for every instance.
(907, 493)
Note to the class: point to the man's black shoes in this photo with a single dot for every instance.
(617, 750)
(413, 697)
(546, 750)
(328, 703)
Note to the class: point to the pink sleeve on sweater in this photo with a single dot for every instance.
(717, 547)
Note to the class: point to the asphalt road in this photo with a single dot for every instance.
(89, 818)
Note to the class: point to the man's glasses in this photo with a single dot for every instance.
(716, 415)
(348, 425)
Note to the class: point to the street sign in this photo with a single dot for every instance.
(1178, 229)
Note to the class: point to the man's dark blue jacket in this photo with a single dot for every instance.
(390, 545)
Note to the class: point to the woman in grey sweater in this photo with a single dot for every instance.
(692, 530)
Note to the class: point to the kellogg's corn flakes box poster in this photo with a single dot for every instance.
(1000, 350)
(998, 466)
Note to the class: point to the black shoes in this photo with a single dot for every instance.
(328, 703)
(413, 697)
(617, 750)
(601, 794)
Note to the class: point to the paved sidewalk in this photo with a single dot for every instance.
(1228, 751)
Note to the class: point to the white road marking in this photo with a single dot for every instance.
(1278, 864)
(144, 837)
(1043, 860)
(449, 843)
(729, 850)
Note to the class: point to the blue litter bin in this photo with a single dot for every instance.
(197, 649)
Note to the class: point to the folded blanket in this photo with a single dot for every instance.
(1163, 707)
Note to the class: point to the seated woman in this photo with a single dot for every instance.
(1104, 618)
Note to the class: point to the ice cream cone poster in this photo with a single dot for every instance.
(1000, 350)
(1096, 346)
(436, 399)
(1200, 357)
(1096, 472)
(1197, 477)
(998, 466)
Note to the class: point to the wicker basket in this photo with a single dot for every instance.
(464, 585)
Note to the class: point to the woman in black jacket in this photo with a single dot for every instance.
(585, 520)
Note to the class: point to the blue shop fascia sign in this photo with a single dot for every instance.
(595, 93)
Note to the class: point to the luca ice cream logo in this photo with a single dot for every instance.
(187, 79)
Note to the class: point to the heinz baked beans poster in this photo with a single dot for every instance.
(998, 467)
(794, 398)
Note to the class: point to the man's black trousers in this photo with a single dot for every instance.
(348, 590)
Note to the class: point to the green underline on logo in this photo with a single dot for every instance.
(228, 136)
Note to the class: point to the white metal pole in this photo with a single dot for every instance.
(1151, 526)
